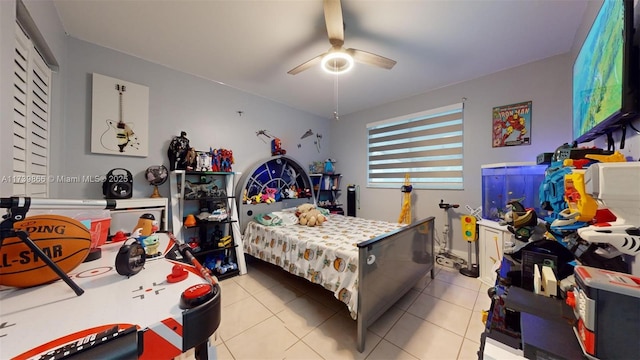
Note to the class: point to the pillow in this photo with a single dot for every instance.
(288, 218)
(276, 218)
(268, 219)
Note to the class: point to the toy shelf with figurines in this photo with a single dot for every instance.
(326, 188)
(204, 216)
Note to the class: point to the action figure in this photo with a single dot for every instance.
(177, 152)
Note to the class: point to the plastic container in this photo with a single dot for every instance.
(505, 182)
(98, 221)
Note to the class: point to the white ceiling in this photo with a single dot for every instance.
(250, 45)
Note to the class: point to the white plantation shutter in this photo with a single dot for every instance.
(32, 80)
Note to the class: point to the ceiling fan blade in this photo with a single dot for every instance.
(371, 59)
(334, 22)
(304, 66)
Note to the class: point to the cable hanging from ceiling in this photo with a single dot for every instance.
(336, 113)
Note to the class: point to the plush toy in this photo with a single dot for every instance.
(304, 208)
(310, 216)
(269, 195)
(290, 192)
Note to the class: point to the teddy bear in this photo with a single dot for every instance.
(310, 216)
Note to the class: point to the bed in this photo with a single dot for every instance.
(367, 264)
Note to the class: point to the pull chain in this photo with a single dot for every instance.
(336, 114)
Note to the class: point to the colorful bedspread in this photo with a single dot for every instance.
(326, 254)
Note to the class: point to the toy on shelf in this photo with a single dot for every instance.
(191, 159)
(190, 220)
(224, 241)
(216, 263)
(204, 188)
(177, 152)
(194, 244)
(203, 161)
(227, 160)
(329, 166)
(291, 192)
(220, 160)
(269, 195)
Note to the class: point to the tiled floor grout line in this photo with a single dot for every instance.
(303, 292)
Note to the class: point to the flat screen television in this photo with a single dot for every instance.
(605, 73)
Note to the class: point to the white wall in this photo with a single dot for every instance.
(206, 110)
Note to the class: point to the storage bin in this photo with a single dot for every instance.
(504, 182)
(98, 221)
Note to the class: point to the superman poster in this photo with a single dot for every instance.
(512, 125)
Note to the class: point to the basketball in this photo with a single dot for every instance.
(65, 240)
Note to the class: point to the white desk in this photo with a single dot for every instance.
(127, 211)
(41, 317)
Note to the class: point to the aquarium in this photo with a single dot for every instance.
(502, 183)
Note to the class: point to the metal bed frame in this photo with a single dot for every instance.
(389, 265)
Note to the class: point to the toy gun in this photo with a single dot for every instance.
(615, 186)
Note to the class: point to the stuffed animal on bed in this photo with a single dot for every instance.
(310, 216)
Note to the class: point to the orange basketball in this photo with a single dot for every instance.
(65, 240)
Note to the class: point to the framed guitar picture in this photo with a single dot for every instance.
(119, 117)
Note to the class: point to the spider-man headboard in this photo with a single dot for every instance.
(279, 172)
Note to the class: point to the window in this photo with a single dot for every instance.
(425, 145)
(32, 80)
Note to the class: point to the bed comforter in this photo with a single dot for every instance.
(325, 255)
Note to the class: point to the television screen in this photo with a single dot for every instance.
(598, 73)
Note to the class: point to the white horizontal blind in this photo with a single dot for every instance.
(32, 80)
(426, 145)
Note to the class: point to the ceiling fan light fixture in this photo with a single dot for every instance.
(337, 62)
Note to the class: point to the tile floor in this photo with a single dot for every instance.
(271, 314)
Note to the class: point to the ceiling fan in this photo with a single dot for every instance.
(338, 59)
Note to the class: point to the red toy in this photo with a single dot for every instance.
(276, 147)
(178, 273)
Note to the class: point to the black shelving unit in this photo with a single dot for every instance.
(326, 188)
(198, 194)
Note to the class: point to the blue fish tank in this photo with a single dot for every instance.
(504, 182)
